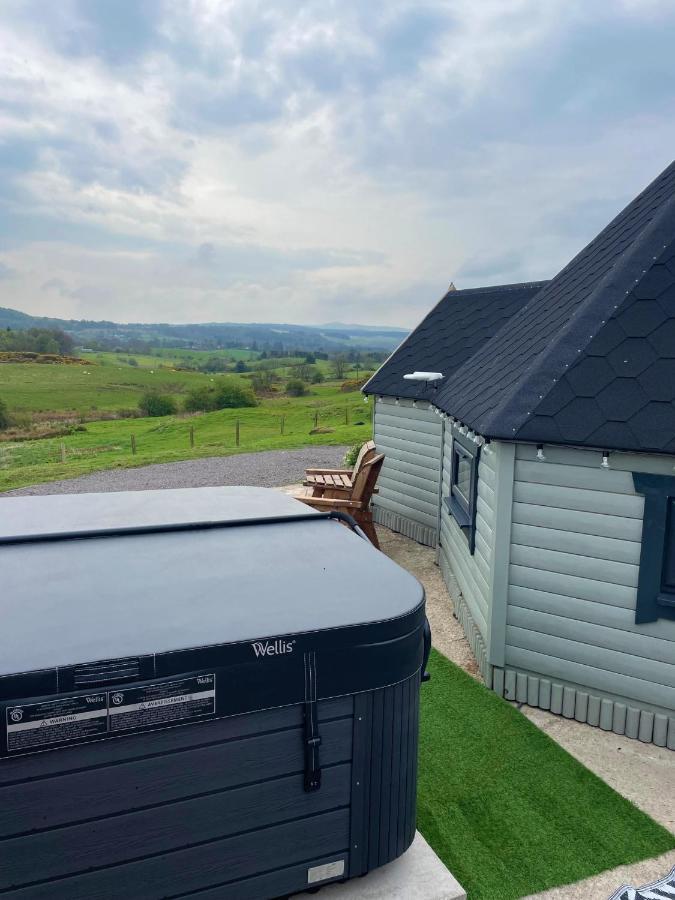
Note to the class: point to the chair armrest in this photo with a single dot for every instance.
(330, 503)
(328, 471)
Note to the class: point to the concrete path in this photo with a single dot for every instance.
(417, 875)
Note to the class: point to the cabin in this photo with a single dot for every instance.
(542, 466)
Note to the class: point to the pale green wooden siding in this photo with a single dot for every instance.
(572, 644)
(472, 574)
(408, 497)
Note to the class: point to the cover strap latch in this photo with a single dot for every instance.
(312, 737)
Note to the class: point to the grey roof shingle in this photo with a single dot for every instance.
(459, 324)
(590, 360)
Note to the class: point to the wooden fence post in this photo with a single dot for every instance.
(316, 419)
(192, 435)
(236, 432)
(133, 444)
(283, 422)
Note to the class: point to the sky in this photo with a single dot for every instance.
(312, 162)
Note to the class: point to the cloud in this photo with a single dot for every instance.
(304, 161)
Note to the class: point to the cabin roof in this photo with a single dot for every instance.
(590, 359)
(460, 323)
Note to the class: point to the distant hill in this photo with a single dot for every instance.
(212, 335)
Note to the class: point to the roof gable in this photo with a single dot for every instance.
(592, 346)
(459, 324)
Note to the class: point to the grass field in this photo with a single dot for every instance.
(507, 810)
(108, 384)
(31, 387)
(107, 444)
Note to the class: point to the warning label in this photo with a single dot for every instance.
(37, 725)
(158, 704)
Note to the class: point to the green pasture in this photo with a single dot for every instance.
(108, 444)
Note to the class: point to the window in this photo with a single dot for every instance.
(463, 486)
(656, 580)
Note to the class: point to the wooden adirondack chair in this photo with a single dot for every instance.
(338, 482)
(356, 502)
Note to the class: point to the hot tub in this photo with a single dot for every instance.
(210, 691)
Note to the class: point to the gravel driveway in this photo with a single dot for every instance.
(270, 468)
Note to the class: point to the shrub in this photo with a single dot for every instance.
(5, 419)
(154, 404)
(200, 399)
(352, 454)
(318, 377)
(296, 387)
(230, 393)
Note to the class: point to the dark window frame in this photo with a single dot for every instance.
(655, 597)
(463, 509)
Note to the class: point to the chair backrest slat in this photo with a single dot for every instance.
(365, 452)
(364, 483)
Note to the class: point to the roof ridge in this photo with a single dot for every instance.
(514, 286)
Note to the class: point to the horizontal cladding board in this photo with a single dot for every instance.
(392, 463)
(384, 432)
(591, 677)
(573, 564)
(402, 481)
(416, 449)
(183, 871)
(563, 626)
(125, 749)
(412, 458)
(486, 475)
(624, 462)
(407, 512)
(571, 586)
(423, 505)
(610, 481)
(414, 426)
(577, 522)
(483, 547)
(578, 499)
(588, 611)
(485, 510)
(130, 785)
(469, 591)
(481, 557)
(648, 670)
(488, 456)
(463, 564)
(486, 492)
(484, 531)
(579, 544)
(111, 841)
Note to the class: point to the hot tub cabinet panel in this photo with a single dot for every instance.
(247, 769)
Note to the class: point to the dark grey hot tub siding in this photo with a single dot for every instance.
(218, 807)
(209, 807)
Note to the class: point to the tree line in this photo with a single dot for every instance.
(37, 340)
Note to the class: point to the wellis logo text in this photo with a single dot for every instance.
(272, 648)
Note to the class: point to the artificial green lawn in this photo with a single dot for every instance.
(508, 811)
